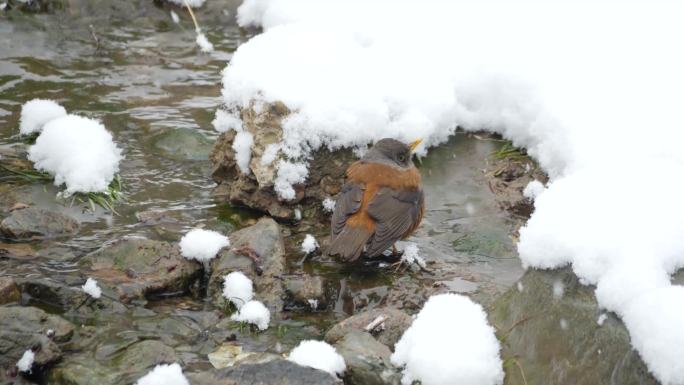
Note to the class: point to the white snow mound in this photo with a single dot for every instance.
(318, 355)
(79, 152)
(253, 312)
(91, 288)
(449, 342)
(164, 374)
(36, 113)
(202, 245)
(237, 288)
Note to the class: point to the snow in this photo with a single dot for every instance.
(309, 244)
(26, 361)
(242, 144)
(36, 113)
(202, 245)
(289, 173)
(223, 121)
(204, 43)
(91, 288)
(411, 255)
(174, 17)
(78, 152)
(601, 319)
(191, 3)
(237, 288)
(328, 205)
(318, 355)
(533, 190)
(253, 312)
(449, 342)
(604, 123)
(164, 374)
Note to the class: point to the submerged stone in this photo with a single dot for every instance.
(33, 223)
(183, 144)
(548, 323)
(137, 267)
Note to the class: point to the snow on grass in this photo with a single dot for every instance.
(191, 3)
(449, 342)
(253, 312)
(26, 361)
(309, 244)
(164, 374)
(237, 288)
(604, 123)
(79, 152)
(318, 355)
(36, 113)
(328, 205)
(202, 245)
(533, 190)
(91, 288)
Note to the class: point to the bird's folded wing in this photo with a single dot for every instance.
(348, 203)
(395, 213)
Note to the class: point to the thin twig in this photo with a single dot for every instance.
(192, 15)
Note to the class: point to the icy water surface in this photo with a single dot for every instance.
(146, 81)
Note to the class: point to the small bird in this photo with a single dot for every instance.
(381, 202)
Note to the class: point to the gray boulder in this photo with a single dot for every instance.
(265, 239)
(33, 223)
(136, 267)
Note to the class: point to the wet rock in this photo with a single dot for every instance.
(368, 361)
(72, 299)
(120, 367)
(9, 291)
(255, 190)
(395, 323)
(265, 239)
(138, 267)
(23, 328)
(33, 223)
(306, 292)
(555, 337)
(183, 144)
(20, 251)
(277, 372)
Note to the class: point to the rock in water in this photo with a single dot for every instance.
(138, 267)
(368, 361)
(9, 291)
(33, 222)
(23, 328)
(277, 372)
(395, 323)
(550, 325)
(255, 189)
(265, 240)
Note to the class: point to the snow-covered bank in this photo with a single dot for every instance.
(590, 89)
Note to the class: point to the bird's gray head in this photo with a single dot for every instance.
(391, 152)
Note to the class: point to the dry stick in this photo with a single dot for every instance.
(192, 15)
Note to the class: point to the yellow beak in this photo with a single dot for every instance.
(415, 144)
